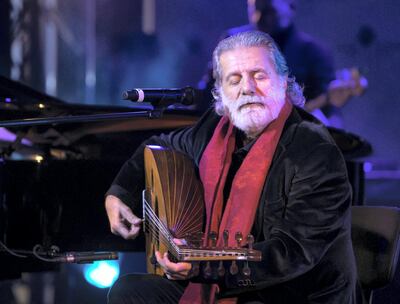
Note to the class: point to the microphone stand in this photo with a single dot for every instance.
(154, 113)
(53, 255)
(187, 96)
(159, 105)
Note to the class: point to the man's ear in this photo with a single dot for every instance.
(215, 93)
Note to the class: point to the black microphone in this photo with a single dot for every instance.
(86, 257)
(162, 97)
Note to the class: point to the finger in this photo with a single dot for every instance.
(172, 267)
(175, 277)
(164, 261)
(176, 271)
(125, 232)
(120, 229)
(128, 215)
(159, 259)
(180, 241)
(134, 230)
(182, 275)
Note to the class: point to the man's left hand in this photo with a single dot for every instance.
(174, 271)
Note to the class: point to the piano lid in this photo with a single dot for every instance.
(18, 101)
(21, 101)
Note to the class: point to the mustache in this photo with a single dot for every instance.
(244, 100)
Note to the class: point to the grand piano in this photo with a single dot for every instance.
(53, 176)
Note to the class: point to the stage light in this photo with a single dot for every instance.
(101, 274)
(368, 167)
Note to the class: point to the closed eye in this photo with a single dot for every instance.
(260, 76)
(234, 80)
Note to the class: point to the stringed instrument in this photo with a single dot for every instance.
(348, 83)
(173, 208)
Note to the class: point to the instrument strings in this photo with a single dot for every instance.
(161, 233)
(185, 213)
(178, 210)
(158, 230)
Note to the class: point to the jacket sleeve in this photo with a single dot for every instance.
(129, 182)
(304, 223)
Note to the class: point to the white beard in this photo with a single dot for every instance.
(253, 119)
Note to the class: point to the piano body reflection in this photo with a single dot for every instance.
(53, 177)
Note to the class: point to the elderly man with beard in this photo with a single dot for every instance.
(308, 59)
(268, 168)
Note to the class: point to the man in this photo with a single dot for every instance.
(267, 167)
(308, 61)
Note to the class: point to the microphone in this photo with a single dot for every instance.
(86, 257)
(162, 97)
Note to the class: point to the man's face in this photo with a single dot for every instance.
(251, 91)
(270, 16)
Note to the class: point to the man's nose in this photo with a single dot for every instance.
(248, 86)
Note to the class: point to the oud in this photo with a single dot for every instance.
(173, 208)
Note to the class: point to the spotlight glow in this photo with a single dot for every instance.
(101, 274)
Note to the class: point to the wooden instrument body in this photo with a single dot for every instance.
(173, 207)
(175, 195)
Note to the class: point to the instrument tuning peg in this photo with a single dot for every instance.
(239, 238)
(221, 269)
(225, 235)
(213, 237)
(250, 241)
(196, 239)
(234, 269)
(246, 269)
(199, 235)
(207, 270)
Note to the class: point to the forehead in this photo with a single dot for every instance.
(246, 59)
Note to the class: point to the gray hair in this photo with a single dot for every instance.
(254, 39)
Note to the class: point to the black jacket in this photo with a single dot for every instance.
(302, 223)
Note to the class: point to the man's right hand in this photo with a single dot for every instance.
(122, 220)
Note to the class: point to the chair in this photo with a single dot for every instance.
(375, 237)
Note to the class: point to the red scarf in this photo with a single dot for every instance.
(246, 188)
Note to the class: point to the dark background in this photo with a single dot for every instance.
(360, 33)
